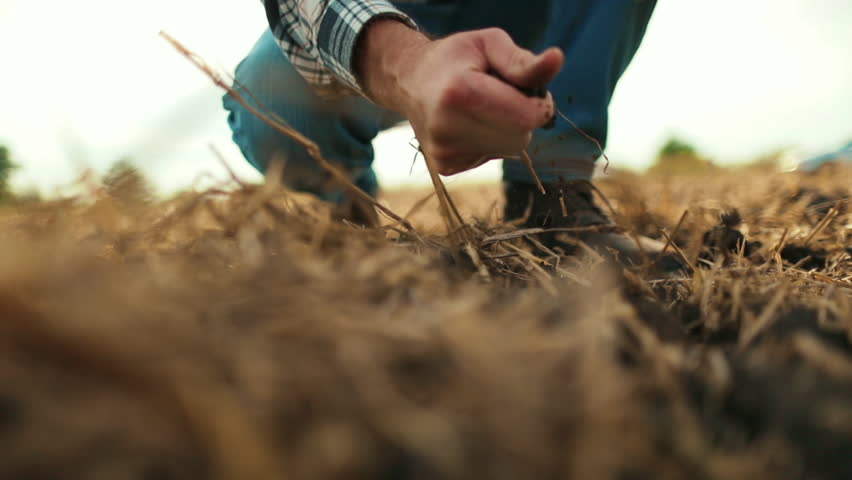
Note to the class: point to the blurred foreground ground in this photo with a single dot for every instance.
(242, 335)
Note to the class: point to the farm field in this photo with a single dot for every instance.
(240, 333)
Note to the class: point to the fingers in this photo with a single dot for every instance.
(448, 170)
(467, 143)
(517, 65)
(494, 102)
(547, 65)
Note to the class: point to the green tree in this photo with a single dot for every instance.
(127, 185)
(676, 146)
(7, 166)
(677, 157)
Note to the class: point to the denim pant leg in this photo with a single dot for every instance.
(343, 128)
(599, 38)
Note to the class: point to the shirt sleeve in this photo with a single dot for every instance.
(319, 37)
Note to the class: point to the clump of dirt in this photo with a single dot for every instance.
(805, 257)
(726, 239)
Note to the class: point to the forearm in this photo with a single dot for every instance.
(319, 36)
(386, 49)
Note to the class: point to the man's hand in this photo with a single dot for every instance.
(462, 116)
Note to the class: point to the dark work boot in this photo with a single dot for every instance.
(571, 205)
(356, 211)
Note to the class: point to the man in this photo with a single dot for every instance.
(340, 71)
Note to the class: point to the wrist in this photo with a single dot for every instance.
(383, 53)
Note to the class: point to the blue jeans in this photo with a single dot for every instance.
(599, 38)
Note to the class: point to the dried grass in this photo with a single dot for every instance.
(243, 334)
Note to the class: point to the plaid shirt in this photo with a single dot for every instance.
(318, 36)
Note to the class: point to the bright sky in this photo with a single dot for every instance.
(87, 82)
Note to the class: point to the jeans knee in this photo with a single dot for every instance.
(343, 128)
